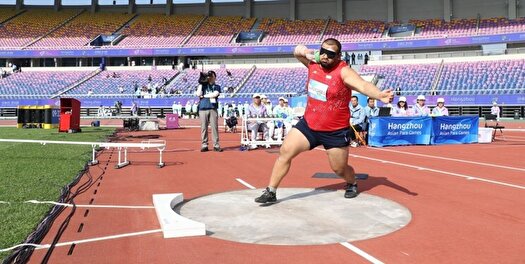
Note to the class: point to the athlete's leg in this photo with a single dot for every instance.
(338, 158)
(293, 144)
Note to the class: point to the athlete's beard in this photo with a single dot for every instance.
(329, 65)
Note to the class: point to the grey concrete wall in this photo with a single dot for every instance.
(311, 9)
(486, 8)
(279, 9)
(227, 9)
(366, 9)
(417, 9)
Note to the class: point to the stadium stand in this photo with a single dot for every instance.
(281, 31)
(42, 84)
(412, 79)
(484, 77)
(109, 82)
(276, 81)
(187, 81)
(81, 30)
(219, 31)
(30, 25)
(154, 30)
(354, 30)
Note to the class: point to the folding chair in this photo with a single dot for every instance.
(492, 122)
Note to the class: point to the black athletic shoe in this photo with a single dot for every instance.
(351, 190)
(204, 149)
(266, 197)
(217, 149)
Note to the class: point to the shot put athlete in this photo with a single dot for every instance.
(326, 119)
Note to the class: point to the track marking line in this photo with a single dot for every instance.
(249, 186)
(93, 205)
(451, 159)
(87, 240)
(361, 253)
(468, 177)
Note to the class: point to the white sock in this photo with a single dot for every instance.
(272, 189)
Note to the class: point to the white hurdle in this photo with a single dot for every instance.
(160, 145)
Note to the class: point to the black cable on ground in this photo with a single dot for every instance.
(23, 254)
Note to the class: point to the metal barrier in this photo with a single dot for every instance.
(160, 145)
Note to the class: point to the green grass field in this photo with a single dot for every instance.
(33, 171)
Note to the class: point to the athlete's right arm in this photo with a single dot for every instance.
(352, 80)
(303, 54)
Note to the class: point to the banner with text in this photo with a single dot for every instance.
(455, 129)
(394, 131)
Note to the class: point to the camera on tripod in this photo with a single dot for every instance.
(205, 76)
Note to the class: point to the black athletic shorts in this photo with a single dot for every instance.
(329, 139)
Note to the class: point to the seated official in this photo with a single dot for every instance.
(357, 119)
(440, 109)
(495, 110)
(282, 111)
(401, 108)
(420, 109)
(371, 110)
(257, 109)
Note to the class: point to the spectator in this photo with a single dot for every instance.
(366, 58)
(187, 109)
(402, 108)
(121, 89)
(420, 109)
(370, 111)
(257, 110)
(134, 109)
(90, 92)
(495, 110)
(440, 109)
(357, 119)
(284, 112)
(353, 58)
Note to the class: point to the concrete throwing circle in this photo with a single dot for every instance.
(300, 217)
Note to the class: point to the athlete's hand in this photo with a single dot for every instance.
(386, 96)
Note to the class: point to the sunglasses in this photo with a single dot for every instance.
(329, 54)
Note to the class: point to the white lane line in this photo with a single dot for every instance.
(468, 177)
(86, 240)
(361, 253)
(450, 159)
(93, 205)
(245, 184)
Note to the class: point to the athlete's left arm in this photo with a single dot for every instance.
(352, 80)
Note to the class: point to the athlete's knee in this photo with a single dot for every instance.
(342, 169)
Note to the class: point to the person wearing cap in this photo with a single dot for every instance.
(326, 118)
(269, 110)
(440, 109)
(256, 110)
(208, 94)
(420, 109)
(281, 111)
(402, 108)
(495, 110)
